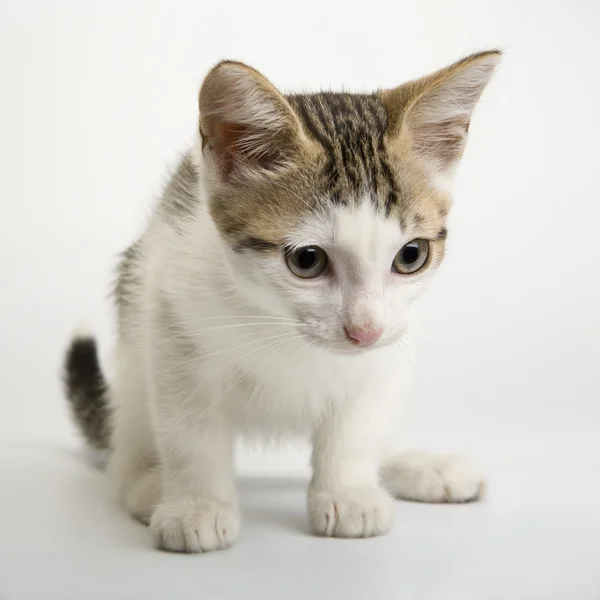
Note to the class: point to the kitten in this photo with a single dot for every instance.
(270, 294)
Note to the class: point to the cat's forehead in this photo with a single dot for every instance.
(337, 115)
(358, 161)
(350, 128)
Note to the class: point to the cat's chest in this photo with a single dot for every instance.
(291, 394)
(305, 370)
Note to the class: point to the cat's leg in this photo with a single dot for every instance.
(133, 464)
(425, 477)
(198, 510)
(345, 498)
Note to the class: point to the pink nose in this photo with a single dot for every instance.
(363, 337)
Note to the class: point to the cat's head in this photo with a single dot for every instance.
(332, 207)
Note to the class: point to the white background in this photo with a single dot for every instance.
(98, 101)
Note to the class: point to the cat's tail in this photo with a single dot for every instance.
(87, 390)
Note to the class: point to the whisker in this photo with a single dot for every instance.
(223, 327)
(230, 349)
(237, 358)
(227, 340)
(197, 319)
(270, 359)
(407, 349)
(230, 387)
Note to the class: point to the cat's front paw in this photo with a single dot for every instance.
(195, 525)
(436, 478)
(350, 512)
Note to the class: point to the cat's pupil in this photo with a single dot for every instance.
(307, 258)
(410, 254)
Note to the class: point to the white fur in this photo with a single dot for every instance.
(215, 344)
(432, 478)
(233, 359)
(222, 344)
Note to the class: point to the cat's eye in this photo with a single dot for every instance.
(307, 262)
(412, 257)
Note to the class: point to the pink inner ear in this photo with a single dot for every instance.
(236, 145)
(227, 145)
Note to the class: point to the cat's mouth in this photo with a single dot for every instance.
(344, 346)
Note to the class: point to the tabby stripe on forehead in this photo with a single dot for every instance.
(255, 243)
(313, 128)
(326, 119)
(359, 107)
(347, 125)
(367, 167)
(321, 120)
(392, 197)
(351, 108)
(376, 168)
(336, 101)
(442, 234)
(349, 169)
(380, 116)
(384, 163)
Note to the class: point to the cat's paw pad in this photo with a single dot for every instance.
(195, 525)
(350, 512)
(434, 478)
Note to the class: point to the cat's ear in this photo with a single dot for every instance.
(432, 115)
(246, 124)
